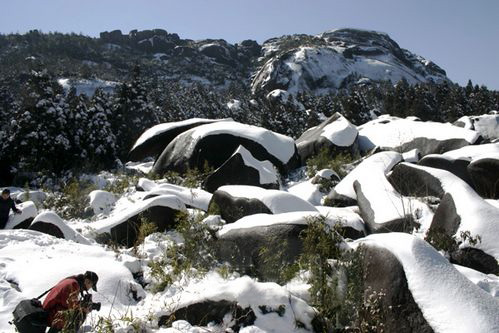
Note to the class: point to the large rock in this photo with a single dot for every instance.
(191, 197)
(122, 227)
(397, 134)
(102, 202)
(344, 194)
(383, 275)
(437, 288)
(486, 125)
(259, 250)
(23, 220)
(257, 244)
(209, 312)
(475, 259)
(154, 140)
(456, 166)
(218, 51)
(243, 169)
(383, 209)
(461, 208)
(233, 303)
(194, 148)
(485, 175)
(336, 134)
(410, 180)
(233, 202)
(50, 223)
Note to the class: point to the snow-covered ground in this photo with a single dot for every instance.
(451, 298)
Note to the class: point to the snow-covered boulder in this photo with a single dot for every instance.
(243, 169)
(393, 133)
(23, 220)
(486, 125)
(207, 312)
(233, 202)
(256, 244)
(194, 148)
(382, 208)
(38, 197)
(154, 140)
(51, 224)
(122, 226)
(473, 152)
(485, 175)
(408, 179)
(102, 202)
(336, 134)
(32, 262)
(456, 166)
(448, 301)
(384, 280)
(461, 208)
(475, 259)
(344, 194)
(271, 307)
(191, 197)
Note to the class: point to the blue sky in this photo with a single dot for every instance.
(461, 36)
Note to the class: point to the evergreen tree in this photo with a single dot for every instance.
(39, 139)
(133, 112)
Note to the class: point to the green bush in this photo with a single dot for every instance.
(442, 241)
(72, 200)
(325, 160)
(194, 256)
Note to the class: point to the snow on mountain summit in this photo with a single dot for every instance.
(337, 59)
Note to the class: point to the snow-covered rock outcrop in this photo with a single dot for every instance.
(336, 59)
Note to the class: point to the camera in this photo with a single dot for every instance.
(87, 302)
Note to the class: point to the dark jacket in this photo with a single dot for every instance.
(63, 296)
(5, 206)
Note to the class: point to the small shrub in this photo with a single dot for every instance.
(121, 184)
(193, 256)
(72, 200)
(325, 160)
(145, 229)
(193, 177)
(442, 241)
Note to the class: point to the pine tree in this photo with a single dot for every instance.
(39, 139)
(99, 137)
(133, 112)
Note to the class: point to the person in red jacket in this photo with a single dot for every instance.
(65, 309)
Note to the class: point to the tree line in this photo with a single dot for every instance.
(44, 128)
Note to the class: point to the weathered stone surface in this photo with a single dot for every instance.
(457, 167)
(194, 149)
(243, 169)
(210, 311)
(259, 251)
(409, 180)
(126, 232)
(484, 173)
(47, 228)
(475, 259)
(384, 274)
(155, 139)
(232, 208)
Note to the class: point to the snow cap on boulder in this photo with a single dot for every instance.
(336, 134)
(194, 148)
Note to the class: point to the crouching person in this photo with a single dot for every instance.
(67, 306)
